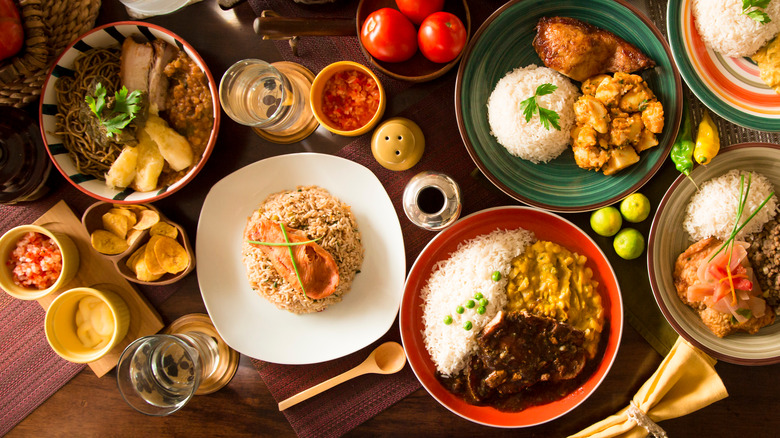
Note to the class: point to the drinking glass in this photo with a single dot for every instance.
(258, 94)
(157, 375)
(146, 8)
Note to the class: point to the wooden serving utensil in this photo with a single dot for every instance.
(387, 358)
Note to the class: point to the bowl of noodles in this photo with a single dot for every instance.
(129, 113)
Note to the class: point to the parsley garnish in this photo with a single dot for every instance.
(124, 111)
(546, 117)
(752, 8)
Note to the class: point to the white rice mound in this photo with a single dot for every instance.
(454, 281)
(724, 28)
(530, 140)
(712, 210)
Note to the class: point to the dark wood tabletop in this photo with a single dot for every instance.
(88, 406)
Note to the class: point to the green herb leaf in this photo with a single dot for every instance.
(745, 312)
(759, 16)
(97, 103)
(126, 106)
(547, 117)
(752, 8)
(545, 89)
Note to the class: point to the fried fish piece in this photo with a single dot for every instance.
(580, 50)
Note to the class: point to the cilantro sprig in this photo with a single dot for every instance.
(546, 116)
(753, 9)
(125, 108)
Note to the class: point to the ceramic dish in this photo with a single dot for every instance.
(254, 326)
(728, 86)
(318, 90)
(93, 220)
(502, 44)
(110, 35)
(668, 239)
(545, 226)
(70, 262)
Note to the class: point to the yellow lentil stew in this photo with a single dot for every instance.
(549, 280)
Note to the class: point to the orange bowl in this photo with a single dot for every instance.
(318, 89)
(545, 226)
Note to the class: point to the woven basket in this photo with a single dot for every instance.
(49, 26)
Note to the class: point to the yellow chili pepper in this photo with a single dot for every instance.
(707, 140)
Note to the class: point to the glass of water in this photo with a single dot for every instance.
(275, 100)
(158, 374)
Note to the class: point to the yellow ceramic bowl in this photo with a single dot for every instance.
(61, 326)
(318, 88)
(70, 262)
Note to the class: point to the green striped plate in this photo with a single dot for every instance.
(502, 44)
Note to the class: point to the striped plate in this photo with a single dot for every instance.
(111, 35)
(730, 87)
(668, 239)
(502, 44)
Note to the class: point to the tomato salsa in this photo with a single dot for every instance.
(350, 99)
(36, 262)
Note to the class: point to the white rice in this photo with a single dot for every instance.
(724, 28)
(530, 140)
(454, 281)
(712, 210)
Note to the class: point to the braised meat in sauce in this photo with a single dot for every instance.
(522, 360)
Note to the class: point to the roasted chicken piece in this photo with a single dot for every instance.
(580, 50)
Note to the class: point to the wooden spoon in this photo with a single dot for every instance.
(387, 358)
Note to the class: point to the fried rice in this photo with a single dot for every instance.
(320, 215)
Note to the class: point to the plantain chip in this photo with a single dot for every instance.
(129, 215)
(172, 256)
(131, 261)
(115, 223)
(164, 229)
(150, 257)
(133, 235)
(106, 242)
(142, 272)
(146, 219)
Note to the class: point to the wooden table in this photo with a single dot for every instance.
(88, 406)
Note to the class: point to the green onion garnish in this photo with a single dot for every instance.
(292, 258)
(283, 244)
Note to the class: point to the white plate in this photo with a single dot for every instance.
(255, 327)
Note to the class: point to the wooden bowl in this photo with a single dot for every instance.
(93, 220)
(417, 68)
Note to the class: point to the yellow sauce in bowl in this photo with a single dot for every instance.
(549, 280)
(94, 323)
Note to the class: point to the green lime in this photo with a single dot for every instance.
(635, 207)
(629, 243)
(606, 221)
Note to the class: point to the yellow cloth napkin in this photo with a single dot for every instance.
(685, 381)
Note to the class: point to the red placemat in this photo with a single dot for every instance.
(344, 407)
(31, 370)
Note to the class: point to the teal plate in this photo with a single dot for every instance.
(502, 44)
(731, 87)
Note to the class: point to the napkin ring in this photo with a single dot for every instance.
(641, 419)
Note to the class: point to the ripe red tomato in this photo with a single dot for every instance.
(417, 10)
(441, 37)
(389, 36)
(11, 31)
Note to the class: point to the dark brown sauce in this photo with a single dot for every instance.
(539, 394)
(430, 200)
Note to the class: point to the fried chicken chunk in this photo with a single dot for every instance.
(580, 50)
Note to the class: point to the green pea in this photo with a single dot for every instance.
(467, 325)
(448, 320)
(481, 310)
(483, 302)
(478, 295)
(460, 309)
(470, 304)
(496, 276)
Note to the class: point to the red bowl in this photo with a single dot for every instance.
(545, 226)
(110, 35)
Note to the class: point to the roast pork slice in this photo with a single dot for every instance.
(135, 62)
(164, 53)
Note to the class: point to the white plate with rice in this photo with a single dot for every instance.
(669, 238)
(255, 327)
